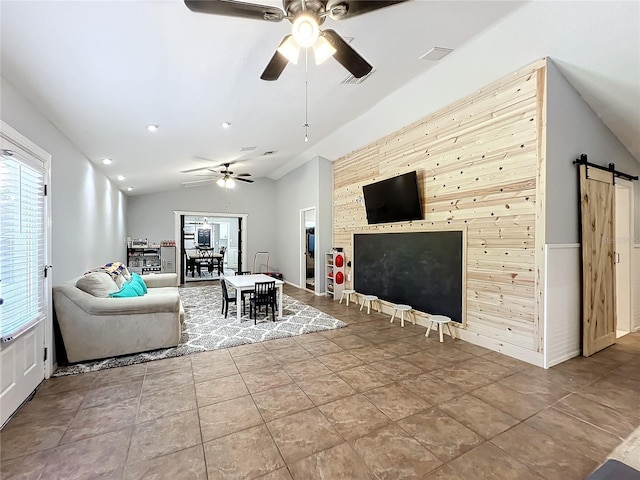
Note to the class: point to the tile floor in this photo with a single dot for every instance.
(370, 401)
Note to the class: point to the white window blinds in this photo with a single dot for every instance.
(22, 244)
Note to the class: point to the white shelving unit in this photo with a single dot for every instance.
(334, 265)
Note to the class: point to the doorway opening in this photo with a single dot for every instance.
(308, 248)
(210, 245)
(623, 241)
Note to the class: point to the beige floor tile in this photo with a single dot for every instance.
(164, 436)
(279, 343)
(115, 376)
(211, 357)
(425, 361)
(306, 369)
(489, 462)
(401, 347)
(167, 380)
(168, 364)
(431, 389)
(578, 435)
(308, 338)
(220, 389)
(351, 341)
(583, 365)
(354, 416)
(281, 401)
(485, 368)
(599, 415)
(203, 371)
(89, 458)
(93, 421)
(476, 350)
(163, 403)
(28, 467)
(447, 352)
(612, 394)
(364, 378)
(397, 369)
(390, 453)
(303, 434)
(227, 417)
(444, 473)
(280, 474)
(246, 454)
(247, 349)
(255, 361)
(479, 416)
(340, 361)
(326, 388)
(506, 361)
(565, 380)
(371, 354)
(57, 385)
(395, 401)
(528, 385)
(291, 354)
(336, 463)
(441, 434)
(18, 440)
(43, 407)
(516, 404)
(266, 378)
(552, 460)
(112, 394)
(323, 347)
(187, 464)
(461, 377)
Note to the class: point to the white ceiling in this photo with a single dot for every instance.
(101, 71)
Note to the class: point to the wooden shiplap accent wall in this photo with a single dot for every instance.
(480, 164)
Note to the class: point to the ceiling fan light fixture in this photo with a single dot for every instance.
(230, 183)
(220, 182)
(305, 30)
(290, 49)
(322, 50)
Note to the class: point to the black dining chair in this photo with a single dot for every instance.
(264, 294)
(226, 298)
(245, 293)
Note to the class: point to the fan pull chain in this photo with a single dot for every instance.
(306, 95)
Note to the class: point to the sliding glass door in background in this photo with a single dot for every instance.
(24, 253)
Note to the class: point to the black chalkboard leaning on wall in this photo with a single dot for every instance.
(421, 269)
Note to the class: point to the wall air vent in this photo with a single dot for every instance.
(436, 53)
(351, 80)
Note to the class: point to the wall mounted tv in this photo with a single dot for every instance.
(395, 199)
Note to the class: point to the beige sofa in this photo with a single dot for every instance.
(96, 327)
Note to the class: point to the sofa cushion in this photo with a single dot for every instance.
(98, 284)
(129, 289)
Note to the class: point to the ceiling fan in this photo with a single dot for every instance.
(306, 17)
(225, 177)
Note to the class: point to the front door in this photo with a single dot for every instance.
(598, 268)
(24, 297)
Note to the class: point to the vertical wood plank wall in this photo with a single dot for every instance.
(480, 166)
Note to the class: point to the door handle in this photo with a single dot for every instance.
(617, 257)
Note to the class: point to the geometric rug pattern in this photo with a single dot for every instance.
(205, 328)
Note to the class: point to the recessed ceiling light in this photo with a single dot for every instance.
(129, 189)
(226, 124)
(152, 127)
(107, 161)
(121, 177)
(436, 53)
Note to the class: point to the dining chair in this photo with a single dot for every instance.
(226, 298)
(245, 293)
(264, 294)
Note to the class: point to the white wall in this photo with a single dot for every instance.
(151, 216)
(572, 129)
(324, 219)
(87, 209)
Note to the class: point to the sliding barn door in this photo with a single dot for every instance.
(598, 276)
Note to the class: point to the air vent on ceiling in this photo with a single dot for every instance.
(247, 149)
(436, 53)
(351, 80)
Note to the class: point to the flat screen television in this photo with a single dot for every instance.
(395, 199)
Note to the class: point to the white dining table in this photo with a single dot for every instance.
(246, 283)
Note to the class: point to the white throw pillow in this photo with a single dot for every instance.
(98, 284)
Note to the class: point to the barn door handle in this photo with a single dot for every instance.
(617, 257)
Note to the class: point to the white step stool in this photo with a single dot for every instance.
(347, 294)
(438, 322)
(402, 308)
(366, 300)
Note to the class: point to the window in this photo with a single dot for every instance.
(22, 244)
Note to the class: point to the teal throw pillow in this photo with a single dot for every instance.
(135, 278)
(127, 290)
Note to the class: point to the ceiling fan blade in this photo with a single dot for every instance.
(341, 9)
(231, 8)
(243, 175)
(347, 56)
(195, 170)
(276, 65)
(243, 180)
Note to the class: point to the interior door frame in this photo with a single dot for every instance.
(303, 248)
(629, 187)
(242, 241)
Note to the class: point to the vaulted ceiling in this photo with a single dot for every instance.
(102, 71)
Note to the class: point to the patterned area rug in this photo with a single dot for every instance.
(205, 328)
